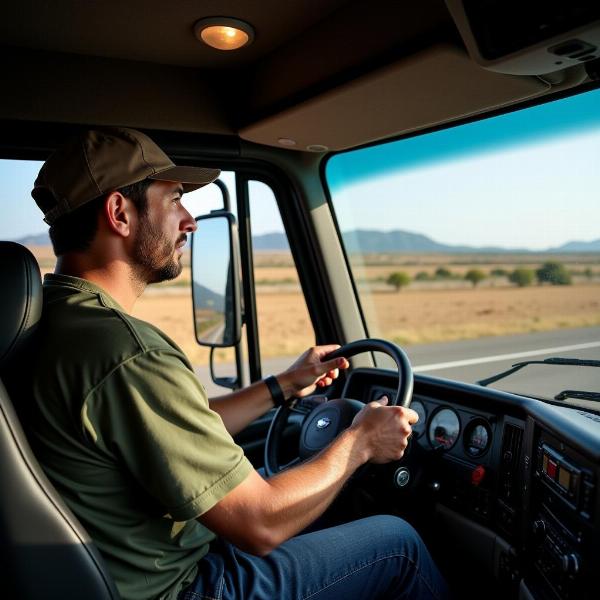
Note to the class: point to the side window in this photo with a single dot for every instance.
(201, 202)
(22, 221)
(284, 325)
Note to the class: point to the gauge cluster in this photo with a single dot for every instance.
(448, 429)
(444, 429)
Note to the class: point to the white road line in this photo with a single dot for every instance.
(488, 359)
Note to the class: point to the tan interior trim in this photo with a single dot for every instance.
(397, 99)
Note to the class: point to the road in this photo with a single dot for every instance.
(215, 334)
(473, 360)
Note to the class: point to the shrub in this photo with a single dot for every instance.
(474, 276)
(554, 273)
(522, 277)
(498, 272)
(399, 279)
(443, 273)
(422, 276)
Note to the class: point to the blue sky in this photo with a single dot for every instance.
(536, 196)
(523, 180)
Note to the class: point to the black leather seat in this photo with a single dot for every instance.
(45, 552)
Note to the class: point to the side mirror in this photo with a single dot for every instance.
(215, 280)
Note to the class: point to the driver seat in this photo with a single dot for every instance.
(45, 552)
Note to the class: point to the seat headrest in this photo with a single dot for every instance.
(20, 300)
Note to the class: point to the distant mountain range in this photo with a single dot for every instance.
(37, 239)
(206, 298)
(373, 241)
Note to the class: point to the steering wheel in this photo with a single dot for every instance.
(327, 420)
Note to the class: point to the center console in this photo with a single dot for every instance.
(563, 507)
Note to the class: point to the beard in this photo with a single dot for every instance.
(154, 254)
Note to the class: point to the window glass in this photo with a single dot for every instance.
(201, 202)
(478, 246)
(22, 221)
(284, 324)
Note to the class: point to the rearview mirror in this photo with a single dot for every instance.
(215, 280)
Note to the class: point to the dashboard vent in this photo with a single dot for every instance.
(511, 450)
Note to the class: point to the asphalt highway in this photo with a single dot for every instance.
(473, 360)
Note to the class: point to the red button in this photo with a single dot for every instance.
(477, 475)
(552, 469)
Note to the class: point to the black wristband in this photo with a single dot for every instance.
(276, 391)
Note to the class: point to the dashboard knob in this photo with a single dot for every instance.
(539, 529)
(401, 477)
(570, 564)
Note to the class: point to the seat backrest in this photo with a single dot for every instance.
(44, 551)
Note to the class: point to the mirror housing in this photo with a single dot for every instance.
(215, 280)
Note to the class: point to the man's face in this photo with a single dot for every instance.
(161, 233)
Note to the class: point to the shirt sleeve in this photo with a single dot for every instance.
(152, 415)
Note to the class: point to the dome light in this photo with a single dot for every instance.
(224, 33)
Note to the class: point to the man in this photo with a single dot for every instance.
(146, 462)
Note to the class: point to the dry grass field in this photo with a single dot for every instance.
(412, 317)
(418, 314)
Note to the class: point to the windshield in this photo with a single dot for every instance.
(478, 246)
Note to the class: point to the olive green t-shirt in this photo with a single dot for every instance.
(123, 429)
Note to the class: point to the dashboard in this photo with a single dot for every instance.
(511, 481)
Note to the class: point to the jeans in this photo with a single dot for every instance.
(376, 557)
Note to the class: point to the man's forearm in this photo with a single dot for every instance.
(240, 408)
(310, 371)
(259, 514)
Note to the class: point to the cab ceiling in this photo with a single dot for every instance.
(137, 63)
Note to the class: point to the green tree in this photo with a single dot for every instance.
(498, 272)
(588, 272)
(475, 276)
(554, 273)
(398, 279)
(522, 277)
(422, 276)
(443, 273)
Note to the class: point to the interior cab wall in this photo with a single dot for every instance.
(56, 87)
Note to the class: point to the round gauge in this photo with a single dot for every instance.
(419, 427)
(444, 429)
(477, 437)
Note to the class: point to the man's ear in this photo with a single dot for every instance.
(118, 213)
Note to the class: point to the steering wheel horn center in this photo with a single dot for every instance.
(323, 422)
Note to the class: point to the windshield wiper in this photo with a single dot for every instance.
(578, 394)
(576, 362)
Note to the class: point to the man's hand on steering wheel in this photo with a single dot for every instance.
(309, 373)
(385, 429)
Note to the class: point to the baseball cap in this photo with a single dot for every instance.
(100, 161)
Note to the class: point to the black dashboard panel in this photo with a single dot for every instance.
(525, 472)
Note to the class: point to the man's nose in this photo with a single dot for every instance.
(188, 223)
